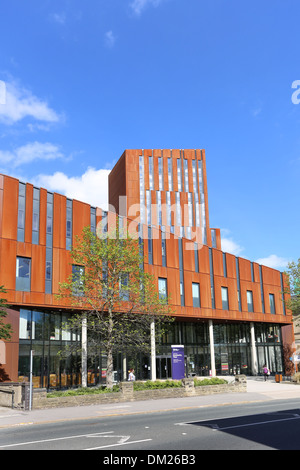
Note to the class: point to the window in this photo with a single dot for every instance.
(21, 212)
(69, 224)
(225, 305)
(77, 279)
(35, 216)
(196, 294)
(162, 288)
(250, 300)
(124, 292)
(23, 268)
(272, 303)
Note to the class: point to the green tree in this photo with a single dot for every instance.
(293, 289)
(5, 328)
(116, 299)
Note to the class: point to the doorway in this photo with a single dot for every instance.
(163, 367)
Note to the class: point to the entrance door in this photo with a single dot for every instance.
(163, 367)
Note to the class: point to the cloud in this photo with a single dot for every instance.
(228, 245)
(110, 39)
(273, 261)
(139, 5)
(30, 152)
(59, 18)
(20, 103)
(91, 187)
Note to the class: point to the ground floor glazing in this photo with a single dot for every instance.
(43, 339)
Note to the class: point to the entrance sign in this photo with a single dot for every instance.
(178, 370)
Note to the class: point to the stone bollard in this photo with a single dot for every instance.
(241, 382)
(189, 386)
(126, 390)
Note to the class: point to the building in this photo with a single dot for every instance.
(230, 312)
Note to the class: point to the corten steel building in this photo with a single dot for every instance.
(230, 314)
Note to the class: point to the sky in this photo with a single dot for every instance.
(82, 81)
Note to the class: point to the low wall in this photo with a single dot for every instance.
(127, 393)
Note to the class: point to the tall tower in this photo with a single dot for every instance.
(166, 189)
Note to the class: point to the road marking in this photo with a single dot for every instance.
(119, 444)
(102, 434)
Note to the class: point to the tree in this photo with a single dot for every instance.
(5, 328)
(293, 289)
(115, 299)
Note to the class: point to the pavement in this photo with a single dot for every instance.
(258, 390)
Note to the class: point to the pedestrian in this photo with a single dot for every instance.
(266, 372)
(131, 377)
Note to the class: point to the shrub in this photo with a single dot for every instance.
(82, 391)
(212, 381)
(157, 384)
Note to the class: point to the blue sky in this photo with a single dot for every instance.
(85, 80)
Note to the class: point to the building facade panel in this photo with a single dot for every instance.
(38, 229)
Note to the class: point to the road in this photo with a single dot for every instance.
(270, 425)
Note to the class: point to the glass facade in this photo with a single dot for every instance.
(56, 366)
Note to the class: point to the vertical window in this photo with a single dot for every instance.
(35, 216)
(224, 265)
(196, 255)
(238, 282)
(124, 282)
(142, 189)
(160, 174)
(179, 176)
(250, 300)
(181, 273)
(21, 212)
(77, 279)
(69, 225)
(162, 288)
(196, 294)
(49, 244)
(262, 289)
(150, 251)
(252, 272)
(168, 208)
(163, 247)
(213, 238)
(186, 176)
(224, 291)
(282, 294)
(159, 214)
(148, 201)
(272, 303)
(23, 269)
(178, 210)
(170, 174)
(151, 173)
(93, 220)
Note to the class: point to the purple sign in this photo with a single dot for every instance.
(178, 370)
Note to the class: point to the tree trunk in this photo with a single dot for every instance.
(109, 352)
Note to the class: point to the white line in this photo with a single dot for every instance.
(57, 439)
(258, 423)
(119, 444)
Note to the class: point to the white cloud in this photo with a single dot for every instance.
(30, 152)
(273, 261)
(91, 187)
(20, 103)
(59, 18)
(228, 245)
(110, 39)
(139, 5)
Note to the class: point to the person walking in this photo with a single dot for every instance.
(266, 372)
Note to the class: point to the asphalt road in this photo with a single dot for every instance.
(270, 425)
